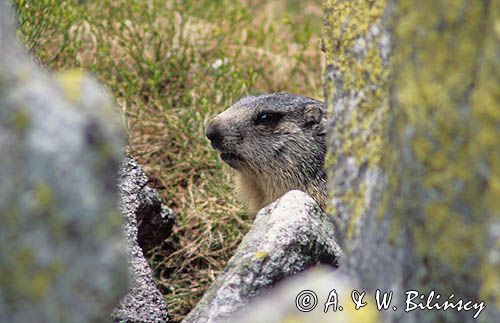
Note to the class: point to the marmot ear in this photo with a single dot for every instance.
(314, 115)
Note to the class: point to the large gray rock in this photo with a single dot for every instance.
(144, 302)
(320, 295)
(412, 94)
(62, 252)
(358, 110)
(287, 237)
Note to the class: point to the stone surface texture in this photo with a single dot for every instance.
(62, 251)
(412, 91)
(144, 302)
(287, 237)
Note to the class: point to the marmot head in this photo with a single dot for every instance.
(276, 142)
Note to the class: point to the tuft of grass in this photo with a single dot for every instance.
(172, 66)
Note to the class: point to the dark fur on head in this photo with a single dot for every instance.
(276, 142)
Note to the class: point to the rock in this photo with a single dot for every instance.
(320, 295)
(413, 151)
(144, 302)
(154, 220)
(289, 236)
(62, 252)
(358, 110)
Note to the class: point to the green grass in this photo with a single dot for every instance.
(171, 66)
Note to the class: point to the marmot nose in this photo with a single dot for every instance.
(214, 135)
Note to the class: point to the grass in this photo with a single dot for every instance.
(171, 66)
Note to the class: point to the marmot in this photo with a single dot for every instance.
(276, 142)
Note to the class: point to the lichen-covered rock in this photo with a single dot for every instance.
(320, 295)
(62, 252)
(287, 237)
(357, 48)
(413, 158)
(144, 302)
(443, 151)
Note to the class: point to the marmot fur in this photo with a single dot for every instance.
(276, 142)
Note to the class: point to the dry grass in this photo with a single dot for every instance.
(173, 65)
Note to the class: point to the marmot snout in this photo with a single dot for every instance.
(276, 142)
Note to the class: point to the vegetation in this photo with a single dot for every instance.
(173, 65)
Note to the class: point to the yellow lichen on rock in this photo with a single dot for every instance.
(351, 37)
(446, 96)
(71, 83)
(356, 87)
(261, 255)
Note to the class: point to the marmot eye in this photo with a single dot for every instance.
(268, 118)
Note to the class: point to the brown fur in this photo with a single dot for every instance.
(273, 158)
